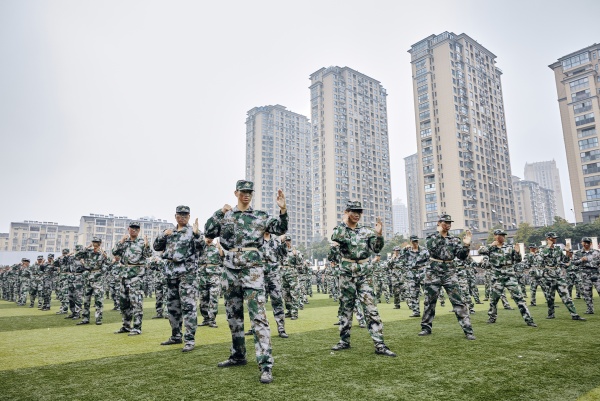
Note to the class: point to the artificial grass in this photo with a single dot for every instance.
(45, 357)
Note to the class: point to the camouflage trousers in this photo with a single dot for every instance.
(521, 281)
(114, 288)
(93, 288)
(399, 288)
(552, 286)
(247, 283)
(464, 289)
(182, 293)
(590, 279)
(437, 278)
(487, 281)
(334, 287)
(319, 283)
(534, 283)
(473, 290)
(290, 289)
(160, 302)
(131, 303)
(302, 293)
(209, 286)
(353, 290)
(75, 292)
(380, 286)
(574, 280)
(36, 287)
(509, 282)
(273, 289)
(62, 292)
(415, 282)
(23, 291)
(46, 292)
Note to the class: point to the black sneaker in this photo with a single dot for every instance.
(171, 341)
(491, 321)
(134, 333)
(550, 316)
(188, 348)
(531, 324)
(470, 337)
(577, 317)
(212, 324)
(232, 362)
(423, 333)
(123, 330)
(204, 323)
(589, 312)
(82, 322)
(283, 334)
(384, 350)
(266, 376)
(415, 314)
(340, 346)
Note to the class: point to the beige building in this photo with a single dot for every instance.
(546, 174)
(414, 194)
(111, 228)
(578, 87)
(278, 157)
(535, 204)
(4, 241)
(350, 150)
(38, 236)
(461, 134)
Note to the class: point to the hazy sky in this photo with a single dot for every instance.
(134, 107)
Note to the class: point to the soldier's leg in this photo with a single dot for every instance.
(234, 309)
(533, 288)
(174, 307)
(285, 293)
(359, 312)
(450, 283)
(515, 291)
(99, 300)
(366, 298)
(474, 291)
(295, 297)
(442, 296)
(137, 303)
(188, 294)
(125, 303)
(159, 299)
(587, 292)
(496, 290)
(505, 303)
(347, 302)
(561, 288)
(253, 289)
(274, 287)
(550, 291)
(32, 293)
(78, 294)
(431, 287)
(87, 299)
(214, 289)
(204, 296)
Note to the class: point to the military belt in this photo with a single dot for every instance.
(133, 265)
(441, 261)
(355, 260)
(211, 265)
(243, 249)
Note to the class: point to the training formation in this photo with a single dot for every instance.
(246, 257)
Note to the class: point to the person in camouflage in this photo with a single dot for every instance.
(463, 282)
(574, 280)
(36, 283)
(75, 279)
(417, 259)
(380, 282)
(520, 276)
(553, 260)
(181, 248)
(63, 266)
(319, 280)
(95, 264)
(114, 282)
(24, 281)
(133, 251)
(274, 253)
(156, 267)
(290, 285)
(587, 260)
(241, 230)
(472, 280)
(397, 268)
(47, 269)
(209, 278)
(502, 258)
(352, 245)
(443, 248)
(533, 262)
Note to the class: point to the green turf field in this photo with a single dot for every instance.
(45, 357)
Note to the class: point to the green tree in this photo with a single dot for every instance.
(524, 232)
(397, 240)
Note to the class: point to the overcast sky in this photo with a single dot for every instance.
(135, 107)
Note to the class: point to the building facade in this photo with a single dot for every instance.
(400, 218)
(413, 194)
(38, 236)
(546, 174)
(533, 203)
(578, 88)
(278, 157)
(4, 241)
(461, 134)
(350, 150)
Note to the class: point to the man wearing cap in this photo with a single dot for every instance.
(47, 269)
(24, 281)
(443, 248)
(63, 265)
(587, 260)
(352, 245)
(35, 285)
(291, 260)
(553, 260)
(95, 263)
(242, 229)
(417, 259)
(209, 277)
(181, 247)
(533, 261)
(503, 257)
(133, 252)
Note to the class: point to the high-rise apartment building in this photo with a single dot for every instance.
(350, 150)
(413, 194)
(546, 174)
(400, 217)
(461, 133)
(534, 204)
(41, 236)
(578, 88)
(278, 157)
(4, 241)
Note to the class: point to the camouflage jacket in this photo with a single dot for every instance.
(244, 229)
(63, 263)
(553, 259)
(182, 249)
(378, 269)
(25, 272)
(501, 258)
(273, 251)
(212, 260)
(591, 262)
(446, 249)
(295, 261)
(36, 271)
(416, 259)
(355, 247)
(133, 255)
(94, 262)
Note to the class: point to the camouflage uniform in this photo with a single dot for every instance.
(319, 280)
(489, 278)
(589, 274)
(63, 265)
(463, 282)
(554, 279)
(47, 278)
(95, 264)
(209, 279)
(380, 281)
(398, 269)
(36, 285)
(442, 273)
(502, 259)
(520, 276)
(181, 250)
(472, 280)
(133, 254)
(416, 262)
(75, 280)
(156, 267)
(242, 235)
(290, 282)
(24, 283)
(274, 253)
(574, 280)
(534, 263)
(114, 283)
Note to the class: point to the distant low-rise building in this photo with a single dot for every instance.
(41, 236)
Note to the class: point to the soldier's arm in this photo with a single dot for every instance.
(146, 251)
(118, 249)
(278, 225)
(334, 253)
(484, 250)
(160, 242)
(212, 228)
(376, 243)
(517, 257)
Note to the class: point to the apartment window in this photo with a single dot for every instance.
(424, 115)
(584, 94)
(426, 133)
(430, 207)
(579, 84)
(591, 206)
(429, 187)
(590, 155)
(430, 198)
(421, 80)
(584, 119)
(423, 98)
(424, 106)
(583, 133)
(591, 168)
(422, 88)
(582, 107)
(592, 181)
(592, 194)
(576, 60)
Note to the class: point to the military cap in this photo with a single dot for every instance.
(532, 245)
(182, 209)
(288, 237)
(414, 238)
(354, 205)
(40, 257)
(445, 217)
(66, 250)
(25, 260)
(586, 239)
(50, 255)
(551, 234)
(134, 223)
(96, 239)
(396, 248)
(78, 247)
(499, 232)
(243, 185)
